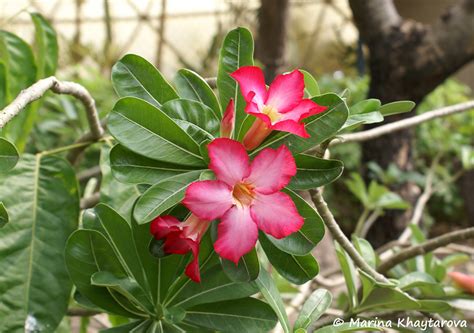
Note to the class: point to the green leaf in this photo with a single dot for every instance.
(365, 250)
(396, 108)
(148, 131)
(349, 327)
(3, 86)
(8, 155)
(365, 106)
(126, 286)
(296, 269)
(4, 218)
(313, 308)
(270, 292)
(136, 77)
(415, 280)
(194, 112)
(215, 286)
(304, 240)
(350, 275)
(320, 127)
(236, 51)
(46, 46)
(127, 328)
(192, 86)
(41, 197)
(365, 118)
(88, 252)
(246, 270)
(129, 167)
(357, 187)
(311, 87)
(314, 172)
(163, 196)
(243, 315)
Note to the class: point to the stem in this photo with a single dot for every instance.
(403, 124)
(361, 222)
(370, 221)
(339, 236)
(425, 247)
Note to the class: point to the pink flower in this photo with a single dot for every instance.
(227, 123)
(281, 107)
(464, 281)
(245, 196)
(181, 238)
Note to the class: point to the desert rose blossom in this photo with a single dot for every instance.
(245, 196)
(181, 238)
(281, 107)
(466, 282)
(227, 123)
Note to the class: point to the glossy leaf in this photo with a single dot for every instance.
(134, 76)
(35, 286)
(4, 218)
(134, 326)
(194, 112)
(215, 286)
(311, 87)
(243, 315)
(396, 108)
(366, 251)
(192, 86)
(246, 270)
(148, 131)
(364, 118)
(415, 280)
(350, 275)
(46, 46)
(296, 269)
(320, 127)
(163, 196)
(365, 106)
(314, 172)
(236, 51)
(303, 241)
(313, 308)
(8, 155)
(270, 292)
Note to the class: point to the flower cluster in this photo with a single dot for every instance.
(245, 195)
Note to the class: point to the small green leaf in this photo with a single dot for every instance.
(311, 87)
(365, 106)
(366, 251)
(304, 240)
(350, 275)
(163, 196)
(246, 270)
(365, 118)
(46, 43)
(8, 155)
(396, 108)
(415, 280)
(148, 131)
(313, 308)
(349, 327)
(192, 86)
(314, 172)
(237, 316)
(4, 218)
(134, 76)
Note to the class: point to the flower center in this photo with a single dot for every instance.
(271, 112)
(243, 194)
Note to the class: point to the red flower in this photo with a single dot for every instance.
(245, 197)
(181, 238)
(227, 123)
(280, 108)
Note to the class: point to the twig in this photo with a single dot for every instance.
(403, 124)
(90, 201)
(85, 175)
(81, 312)
(425, 247)
(369, 222)
(339, 236)
(211, 81)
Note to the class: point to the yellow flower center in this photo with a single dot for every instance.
(243, 194)
(272, 113)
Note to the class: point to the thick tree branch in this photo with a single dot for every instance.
(374, 18)
(425, 247)
(37, 90)
(403, 124)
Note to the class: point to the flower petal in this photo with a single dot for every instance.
(208, 199)
(251, 79)
(272, 169)
(286, 91)
(192, 270)
(276, 214)
(229, 160)
(181, 245)
(303, 110)
(162, 226)
(237, 234)
(227, 122)
(291, 126)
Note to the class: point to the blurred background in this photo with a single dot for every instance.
(320, 36)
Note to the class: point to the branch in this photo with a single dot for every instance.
(91, 201)
(211, 81)
(73, 312)
(425, 247)
(374, 18)
(339, 236)
(37, 90)
(403, 124)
